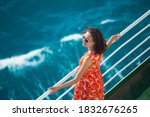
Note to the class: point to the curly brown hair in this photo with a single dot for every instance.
(99, 42)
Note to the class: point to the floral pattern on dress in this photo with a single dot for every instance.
(90, 86)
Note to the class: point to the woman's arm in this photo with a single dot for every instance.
(86, 63)
(112, 39)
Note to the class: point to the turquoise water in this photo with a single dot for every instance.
(40, 41)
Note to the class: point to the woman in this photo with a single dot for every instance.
(88, 80)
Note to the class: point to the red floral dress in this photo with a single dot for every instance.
(90, 86)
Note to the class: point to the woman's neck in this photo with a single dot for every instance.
(90, 50)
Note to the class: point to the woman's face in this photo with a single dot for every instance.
(87, 40)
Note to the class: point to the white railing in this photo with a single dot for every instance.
(130, 71)
(121, 34)
(131, 61)
(127, 53)
(65, 92)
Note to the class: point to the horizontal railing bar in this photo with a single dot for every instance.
(65, 92)
(67, 76)
(135, 23)
(127, 75)
(126, 66)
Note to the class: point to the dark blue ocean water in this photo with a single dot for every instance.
(40, 41)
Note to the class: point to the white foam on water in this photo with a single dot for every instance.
(74, 37)
(107, 21)
(31, 59)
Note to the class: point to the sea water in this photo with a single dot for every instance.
(40, 41)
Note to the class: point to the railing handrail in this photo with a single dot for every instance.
(127, 75)
(75, 70)
(127, 66)
(65, 92)
(135, 23)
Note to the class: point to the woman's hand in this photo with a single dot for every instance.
(115, 37)
(112, 39)
(53, 89)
